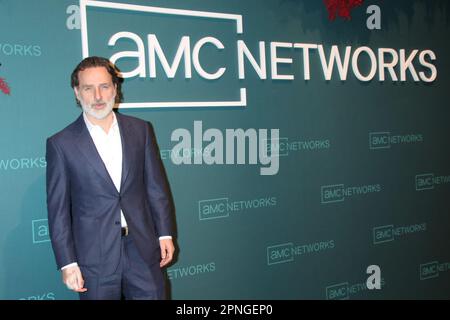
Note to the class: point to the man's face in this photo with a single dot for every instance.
(96, 92)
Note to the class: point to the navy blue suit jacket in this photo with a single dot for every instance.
(84, 205)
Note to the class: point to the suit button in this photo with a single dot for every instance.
(117, 223)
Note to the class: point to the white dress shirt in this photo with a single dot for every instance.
(109, 147)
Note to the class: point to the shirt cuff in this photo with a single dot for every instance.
(73, 264)
(165, 237)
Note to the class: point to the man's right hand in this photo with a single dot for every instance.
(73, 279)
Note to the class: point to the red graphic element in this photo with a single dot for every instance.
(341, 8)
(4, 87)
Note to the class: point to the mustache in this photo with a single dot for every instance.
(98, 103)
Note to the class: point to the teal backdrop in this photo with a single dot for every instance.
(364, 166)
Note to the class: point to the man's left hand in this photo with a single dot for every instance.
(167, 251)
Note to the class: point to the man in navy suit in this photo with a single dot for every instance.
(110, 211)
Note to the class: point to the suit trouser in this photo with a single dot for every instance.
(133, 278)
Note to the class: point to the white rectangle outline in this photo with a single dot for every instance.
(176, 104)
(382, 241)
(32, 229)
(421, 175)
(370, 140)
(428, 277)
(273, 140)
(333, 185)
(335, 285)
(216, 217)
(279, 245)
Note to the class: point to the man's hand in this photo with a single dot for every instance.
(167, 250)
(73, 279)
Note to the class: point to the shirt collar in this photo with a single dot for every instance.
(92, 126)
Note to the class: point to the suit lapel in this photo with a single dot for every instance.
(125, 135)
(86, 146)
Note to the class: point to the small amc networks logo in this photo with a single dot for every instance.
(285, 252)
(427, 181)
(40, 230)
(4, 85)
(431, 269)
(343, 290)
(338, 291)
(384, 140)
(338, 192)
(388, 233)
(222, 207)
(283, 146)
(424, 181)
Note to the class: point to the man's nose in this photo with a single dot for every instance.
(98, 94)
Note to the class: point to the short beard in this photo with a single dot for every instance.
(98, 114)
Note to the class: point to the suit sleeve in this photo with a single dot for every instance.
(157, 187)
(58, 206)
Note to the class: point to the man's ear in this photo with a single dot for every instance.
(77, 95)
(75, 90)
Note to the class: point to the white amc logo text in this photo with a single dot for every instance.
(384, 234)
(395, 62)
(336, 193)
(429, 271)
(432, 269)
(424, 181)
(184, 51)
(214, 208)
(279, 254)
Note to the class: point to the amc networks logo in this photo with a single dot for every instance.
(338, 192)
(338, 291)
(344, 290)
(384, 140)
(283, 146)
(428, 181)
(431, 269)
(388, 233)
(285, 252)
(221, 208)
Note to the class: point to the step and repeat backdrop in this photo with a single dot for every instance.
(305, 142)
